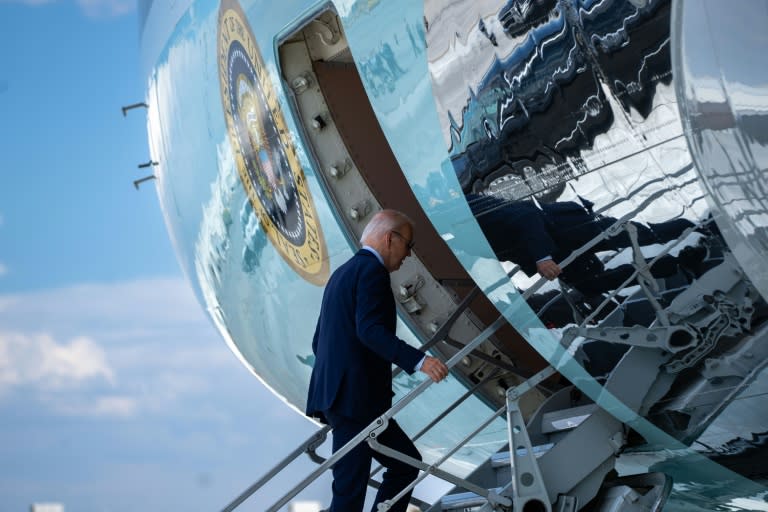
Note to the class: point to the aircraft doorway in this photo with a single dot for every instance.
(361, 175)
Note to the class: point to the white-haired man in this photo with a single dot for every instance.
(355, 345)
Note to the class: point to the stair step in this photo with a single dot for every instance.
(566, 419)
(461, 501)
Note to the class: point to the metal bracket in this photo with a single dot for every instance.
(720, 303)
(302, 82)
(314, 444)
(617, 440)
(644, 277)
(327, 34)
(319, 121)
(407, 295)
(338, 170)
(528, 491)
(566, 503)
(670, 338)
(360, 210)
(382, 423)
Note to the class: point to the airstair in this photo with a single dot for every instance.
(695, 338)
(530, 475)
(563, 458)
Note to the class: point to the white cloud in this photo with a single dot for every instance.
(41, 361)
(110, 349)
(5, 303)
(167, 387)
(120, 406)
(138, 308)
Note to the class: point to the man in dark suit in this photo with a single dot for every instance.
(355, 345)
(538, 238)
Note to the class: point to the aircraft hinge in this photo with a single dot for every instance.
(407, 294)
(360, 210)
(338, 170)
(302, 82)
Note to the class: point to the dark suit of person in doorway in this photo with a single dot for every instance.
(538, 238)
(355, 346)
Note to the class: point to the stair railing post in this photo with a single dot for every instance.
(527, 482)
(306, 447)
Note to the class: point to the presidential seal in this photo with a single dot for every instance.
(264, 151)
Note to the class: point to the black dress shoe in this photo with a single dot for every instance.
(691, 259)
(665, 266)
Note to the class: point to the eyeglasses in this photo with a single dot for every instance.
(408, 243)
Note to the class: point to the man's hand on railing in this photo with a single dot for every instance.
(548, 269)
(434, 368)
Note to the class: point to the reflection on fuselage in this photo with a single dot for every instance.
(570, 148)
(532, 120)
(724, 100)
(545, 102)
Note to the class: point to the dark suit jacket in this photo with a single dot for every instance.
(520, 232)
(355, 343)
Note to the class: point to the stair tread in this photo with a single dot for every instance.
(565, 419)
(462, 500)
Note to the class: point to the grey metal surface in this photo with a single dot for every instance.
(565, 419)
(529, 488)
(590, 444)
(461, 501)
(718, 56)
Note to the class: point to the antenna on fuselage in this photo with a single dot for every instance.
(131, 107)
(148, 164)
(138, 182)
(151, 163)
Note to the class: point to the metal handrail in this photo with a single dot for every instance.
(433, 469)
(611, 295)
(312, 442)
(599, 238)
(610, 231)
(319, 437)
(447, 411)
(441, 335)
(373, 427)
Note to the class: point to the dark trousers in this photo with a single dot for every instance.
(587, 273)
(571, 236)
(350, 474)
(589, 276)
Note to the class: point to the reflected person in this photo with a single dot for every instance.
(538, 238)
(355, 345)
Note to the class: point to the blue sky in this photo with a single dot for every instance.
(116, 393)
